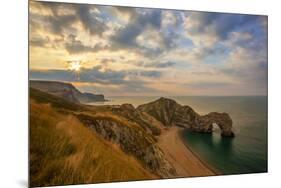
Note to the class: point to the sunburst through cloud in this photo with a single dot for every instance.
(75, 66)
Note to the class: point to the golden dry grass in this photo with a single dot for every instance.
(63, 151)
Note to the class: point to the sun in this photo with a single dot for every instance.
(74, 66)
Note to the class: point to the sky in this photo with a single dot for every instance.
(122, 51)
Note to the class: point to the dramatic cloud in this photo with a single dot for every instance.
(141, 51)
(90, 19)
(128, 34)
(74, 46)
(39, 42)
(96, 75)
(208, 28)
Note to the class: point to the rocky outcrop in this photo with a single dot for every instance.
(162, 109)
(222, 120)
(66, 91)
(146, 121)
(133, 140)
(170, 113)
(127, 107)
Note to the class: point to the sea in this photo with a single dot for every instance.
(245, 153)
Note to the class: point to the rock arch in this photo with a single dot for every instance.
(170, 113)
(222, 120)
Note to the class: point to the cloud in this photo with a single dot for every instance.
(244, 63)
(86, 75)
(151, 40)
(149, 32)
(56, 25)
(90, 20)
(124, 13)
(152, 74)
(156, 64)
(126, 36)
(74, 46)
(61, 17)
(209, 28)
(219, 24)
(39, 41)
(170, 18)
(52, 16)
(165, 65)
(96, 75)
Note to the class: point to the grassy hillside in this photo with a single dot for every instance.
(63, 151)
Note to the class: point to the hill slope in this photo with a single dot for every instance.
(93, 144)
(64, 151)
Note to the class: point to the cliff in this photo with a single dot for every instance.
(66, 91)
(170, 113)
(132, 139)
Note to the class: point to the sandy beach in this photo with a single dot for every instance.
(186, 163)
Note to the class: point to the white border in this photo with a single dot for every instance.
(13, 106)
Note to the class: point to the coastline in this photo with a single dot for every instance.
(207, 165)
(179, 154)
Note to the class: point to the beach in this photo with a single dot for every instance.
(186, 163)
(249, 115)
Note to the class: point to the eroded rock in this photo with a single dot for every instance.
(132, 140)
(170, 113)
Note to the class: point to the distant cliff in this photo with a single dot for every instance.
(66, 91)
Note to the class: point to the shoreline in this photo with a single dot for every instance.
(182, 158)
(207, 165)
